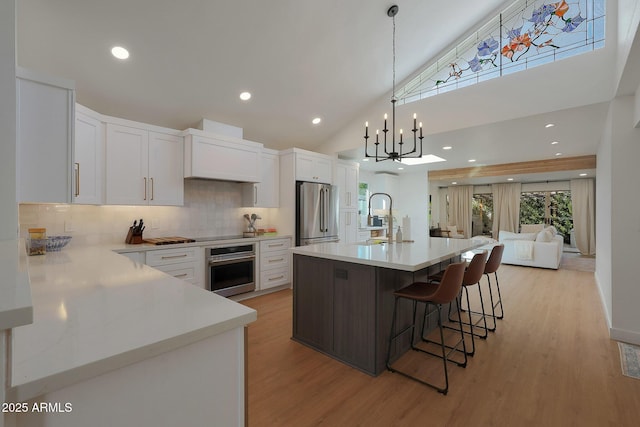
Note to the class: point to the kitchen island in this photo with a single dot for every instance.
(343, 294)
(116, 342)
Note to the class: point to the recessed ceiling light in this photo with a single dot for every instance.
(120, 52)
(365, 160)
(509, 179)
(549, 125)
(471, 160)
(583, 174)
(554, 142)
(245, 96)
(558, 154)
(447, 147)
(400, 169)
(316, 121)
(454, 183)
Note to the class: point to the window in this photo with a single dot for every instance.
(526, 34)
(548, 207)
(482, 219)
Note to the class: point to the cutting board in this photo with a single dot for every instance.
(168, 240)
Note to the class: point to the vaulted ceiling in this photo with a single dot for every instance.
(301, 59)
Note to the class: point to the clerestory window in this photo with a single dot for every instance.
(526, 34)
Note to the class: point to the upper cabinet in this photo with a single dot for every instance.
(314, 167)
(45, 107)
(221, 157)
(143, 167)
(346, 178)
(265, 194)
(88, 171)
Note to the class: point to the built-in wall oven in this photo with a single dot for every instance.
(231, 268)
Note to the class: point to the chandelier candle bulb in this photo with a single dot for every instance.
(420, 130)
(366, 129)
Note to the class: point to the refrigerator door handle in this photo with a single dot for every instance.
(321, 222)
(327, 204)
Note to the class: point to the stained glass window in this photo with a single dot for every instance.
(527, 34)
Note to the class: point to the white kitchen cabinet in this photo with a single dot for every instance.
(346, 178)
(182, 263)
(166, 173)
(274, 263)
(88, 158)
(348, 226)
(143, 167)
(221, 157)
(45, 116)
(313, 167)
(266, 193)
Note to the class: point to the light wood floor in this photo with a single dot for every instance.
(550, 363)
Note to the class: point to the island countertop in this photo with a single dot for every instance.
(95, 311)
(407, 256)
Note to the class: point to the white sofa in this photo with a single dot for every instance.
(542, 249)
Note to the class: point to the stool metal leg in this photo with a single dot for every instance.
(444, 356)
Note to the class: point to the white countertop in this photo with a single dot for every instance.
(15, 294)
(96, 311)
(408, 256)
(124, 247)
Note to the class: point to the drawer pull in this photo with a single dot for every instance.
(276, 260)
(271, 279)
(275, 245)
(181, 275)
(174, 256)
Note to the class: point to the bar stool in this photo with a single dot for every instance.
(472, 276)
(493, 263)
(431, 294)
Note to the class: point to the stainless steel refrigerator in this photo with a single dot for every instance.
(316, 213)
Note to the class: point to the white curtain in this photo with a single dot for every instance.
(583, 207)
(506, 207)
(442, 208)
(460, 208)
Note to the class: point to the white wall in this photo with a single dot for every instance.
(625, 221)
(604, 214)
(8, 209)
(412, 197)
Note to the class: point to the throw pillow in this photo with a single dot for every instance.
(453, 229)
(544, 236)
(552, 229)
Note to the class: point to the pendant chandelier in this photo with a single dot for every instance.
(393, 150)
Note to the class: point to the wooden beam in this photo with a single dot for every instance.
(537, 166)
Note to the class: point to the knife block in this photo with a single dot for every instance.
(133, 238)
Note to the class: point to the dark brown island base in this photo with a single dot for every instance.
(343, 295)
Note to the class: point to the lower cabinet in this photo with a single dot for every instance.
(274, 263)
(181, 263)
(334, 309)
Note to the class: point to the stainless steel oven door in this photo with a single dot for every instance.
(231, 275)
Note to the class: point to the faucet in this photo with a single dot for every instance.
(390, 222)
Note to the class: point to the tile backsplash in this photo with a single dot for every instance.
(211, 208)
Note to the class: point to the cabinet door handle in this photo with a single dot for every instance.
(255, 194)
(145, 188)
(276, 260)
(77, 179)
(181, 275)
(276, 278)
(173, 256)
(151, 188)
(275, 245)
